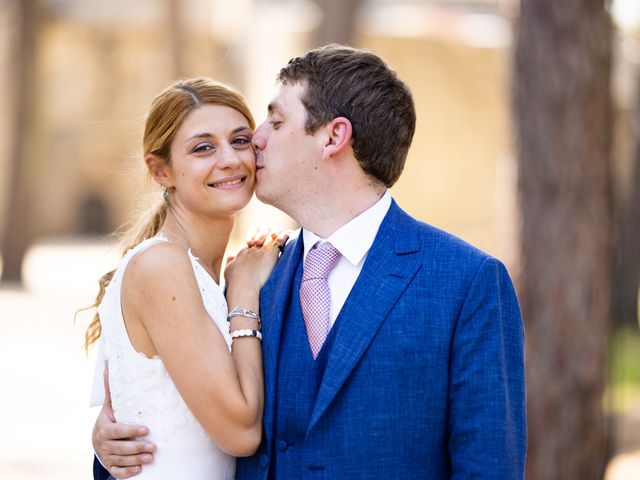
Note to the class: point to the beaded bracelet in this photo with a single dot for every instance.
(241, 312)
(246, 332)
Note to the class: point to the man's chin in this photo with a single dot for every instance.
(262, 195)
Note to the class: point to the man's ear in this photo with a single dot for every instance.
(159, 170)
(338, 138)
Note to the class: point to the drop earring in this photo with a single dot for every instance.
(165, 194)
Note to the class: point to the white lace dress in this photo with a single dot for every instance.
(142, 391)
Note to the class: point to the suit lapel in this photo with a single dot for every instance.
(274, 299)
(391, 263)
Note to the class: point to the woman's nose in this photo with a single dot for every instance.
(230, 157)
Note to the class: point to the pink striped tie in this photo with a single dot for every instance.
(315, 296)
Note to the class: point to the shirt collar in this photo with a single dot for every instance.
(354, 239)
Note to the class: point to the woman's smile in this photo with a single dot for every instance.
(229, 183)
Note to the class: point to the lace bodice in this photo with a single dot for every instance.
(143, 393)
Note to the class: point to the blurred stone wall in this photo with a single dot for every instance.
(94, 86)
(459, 172)
(97, 77)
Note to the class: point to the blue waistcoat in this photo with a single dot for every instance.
(298, 381)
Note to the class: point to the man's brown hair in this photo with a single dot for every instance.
(341, 81)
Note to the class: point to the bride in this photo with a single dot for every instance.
(179, 360)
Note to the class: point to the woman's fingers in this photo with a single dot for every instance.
(262, 237)
(258, 238)
(281, 238)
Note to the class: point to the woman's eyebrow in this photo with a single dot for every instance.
(211, 135)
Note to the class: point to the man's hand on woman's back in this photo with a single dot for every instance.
(115, 444)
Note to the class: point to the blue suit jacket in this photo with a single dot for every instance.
(426, 375)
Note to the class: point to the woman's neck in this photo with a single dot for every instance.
(207, 238)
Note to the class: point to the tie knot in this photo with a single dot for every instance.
(320, 261)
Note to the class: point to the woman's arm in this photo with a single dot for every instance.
(224, 392)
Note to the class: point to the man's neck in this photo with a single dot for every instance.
(330, 213)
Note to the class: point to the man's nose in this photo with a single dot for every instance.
(258, 138)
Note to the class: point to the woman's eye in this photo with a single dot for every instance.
(203, 147)
(241, 141)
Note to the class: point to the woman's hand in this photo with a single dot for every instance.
(251, 267)
(261, 235)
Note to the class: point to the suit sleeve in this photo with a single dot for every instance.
(487, 417)
(99, 472)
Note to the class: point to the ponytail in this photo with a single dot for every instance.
(146, 227)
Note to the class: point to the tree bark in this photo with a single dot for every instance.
(176, 37)
(626, 270)
(562, 110)
(338, 23)
(16, 235)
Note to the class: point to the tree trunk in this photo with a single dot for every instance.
(15, 231)
(176, 37)
(338, 23)
(626, 272)
(563, 129)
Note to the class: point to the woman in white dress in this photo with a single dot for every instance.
(178, 360)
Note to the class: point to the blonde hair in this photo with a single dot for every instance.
(166, 115)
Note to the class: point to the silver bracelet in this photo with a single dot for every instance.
(241, 312)
(246, 332)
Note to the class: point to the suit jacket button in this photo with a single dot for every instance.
(282, 445)
(264, 461)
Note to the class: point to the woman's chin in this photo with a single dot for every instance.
(230, 209)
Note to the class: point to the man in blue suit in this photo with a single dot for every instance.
(416, 367)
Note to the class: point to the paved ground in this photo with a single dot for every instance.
(626, 464)
(44, 373)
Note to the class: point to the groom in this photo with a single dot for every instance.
(391, 349)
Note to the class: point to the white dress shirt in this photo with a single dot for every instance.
(353, 240)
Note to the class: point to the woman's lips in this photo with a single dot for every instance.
(229, 183)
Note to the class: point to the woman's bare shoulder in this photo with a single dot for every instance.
(158, 266)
